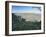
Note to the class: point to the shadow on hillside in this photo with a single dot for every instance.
(19, 23)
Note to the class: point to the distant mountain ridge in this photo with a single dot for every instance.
(30, 16)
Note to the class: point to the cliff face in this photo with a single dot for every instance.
(30, 16)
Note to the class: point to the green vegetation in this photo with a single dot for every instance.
(19, 23)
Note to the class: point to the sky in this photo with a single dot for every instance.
(21, 9)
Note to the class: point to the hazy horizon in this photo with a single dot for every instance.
(29, 16)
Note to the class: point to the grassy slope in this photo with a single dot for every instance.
(19, 23)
